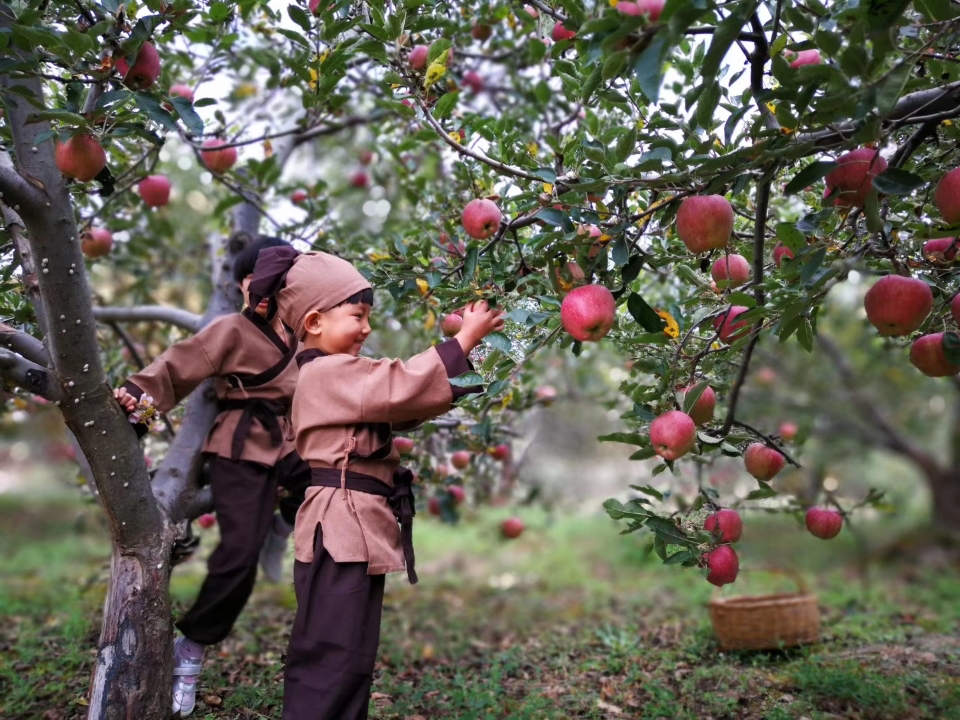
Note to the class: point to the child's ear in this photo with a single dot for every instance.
(313, 322)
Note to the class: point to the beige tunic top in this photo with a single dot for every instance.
(345, 402)
(231, 346)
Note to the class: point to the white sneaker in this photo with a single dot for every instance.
(185, 674)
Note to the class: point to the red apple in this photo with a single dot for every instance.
(724, 565)
(154, 190)
(734, 268)
(955, 308)
(824, 523)
(512, 527)
(588, 312)
(673, 434)
(729, 523)
(457, 493)
(730, 329)
(804, 57)
(313, 5)
(298, 196)
(96, 242)
(216, 160)
(473, 80)
(418, 57)
(781, 251)
(500, 452)
(928, 357)
(763, 462)
(531, 11)
(145, 69)
(181, 90)
(451, 324)
(359, 179)
(651, 8)
(403, 445)
(545, 395)
(207, 520)
(766, 376)
(947, 247)
(560, 33)
(853, 176)
(702, 410)
(481, 31)
(788, 430)
(433, 506)
(460, 459)
(898, 305)
(81, 158)
(366, 157)
(705, 222)
(947, 196)
(481, 218)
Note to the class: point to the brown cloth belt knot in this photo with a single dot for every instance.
(400, 497)
(266, 412)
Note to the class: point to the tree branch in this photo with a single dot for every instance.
(149, 313)
(17, 192)
(29, 376)
(23, 344)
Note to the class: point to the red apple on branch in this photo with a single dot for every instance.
(481, 218)
(730, 328)
(955, 308)
(733, 268)
(673, 434)
(433, 505)
(215, 159)
(418, 57)
(144, 71)
(781, 251)
(947, 247)
(588, 312)
(928, 356)
(804, 57)
(298, 196)
(81, 158)
(947, 197)
(703, 408)
(762, 461)
(403, 445)
(512, 528)
(724, 565)
(460, 459)
(457, 493)
(705, 222)
(207, 520)
(181, 90)
(500, 452)
(824, 523)
(852, 178)
(898, 305)
(545, 395)
(154, 190)
(729, 523)
(96, 242)
(788, 430)
(481, 31)
(451, 324)
(560, 33)
(473, 80)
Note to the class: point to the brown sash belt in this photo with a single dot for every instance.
(400, 497)
(263, 411)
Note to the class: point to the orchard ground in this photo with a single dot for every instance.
(569, 621)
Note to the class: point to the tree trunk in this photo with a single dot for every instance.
(945, 491)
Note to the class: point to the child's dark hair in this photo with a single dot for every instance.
(246, 261)
(360, 298)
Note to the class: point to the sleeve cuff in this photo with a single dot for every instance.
(136, 391)
(456, 363)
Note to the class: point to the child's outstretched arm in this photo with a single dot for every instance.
(479, 320)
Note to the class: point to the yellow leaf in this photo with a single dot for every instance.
(532, 147)
(772, 107)
(378, 256)
(424, 287)
(434, 73)
(672, 329)
(454, 135)
(507, 399)
(716, 346)
(267, 148)
(511, 21)
(947, 122)
(613, 3)
(313, 79)
(431, 321)
(323, 56)
(547, 188)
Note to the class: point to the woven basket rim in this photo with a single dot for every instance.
(754, 601)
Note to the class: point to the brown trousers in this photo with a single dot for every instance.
(333, 645)
(244, 496)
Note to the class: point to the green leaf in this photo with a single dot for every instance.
(299, 16)
(894, 181)
(723, 37)
(762, 493)
(614, 64)
(592, 82)
(678, 558)
(499, 341)
(810, 174)
(665, 529)
(648, 490)
(468, 379)
(691, 396)
(470, 265)
(707, 105)
(438, 48)
(189, 116)
(805, 334)
(644, 314)
(643, 454)
(626, 438)
(152, 108)
(649, 67)
(891, 87)
(789, 235)
(811, 266)
(871, 212)
(951, 347)
(445, 105)
(552, 216)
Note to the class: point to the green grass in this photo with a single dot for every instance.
(571, 620)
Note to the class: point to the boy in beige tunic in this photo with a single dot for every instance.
(347, 535)
(250, 449)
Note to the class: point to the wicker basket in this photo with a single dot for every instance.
(764, 622)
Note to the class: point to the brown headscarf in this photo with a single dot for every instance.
(303, 282)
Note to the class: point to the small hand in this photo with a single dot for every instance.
(127, 401)
(479, 320)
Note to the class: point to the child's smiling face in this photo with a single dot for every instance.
(260, 309)
(339, 331)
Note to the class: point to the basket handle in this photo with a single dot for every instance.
(796, 577)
